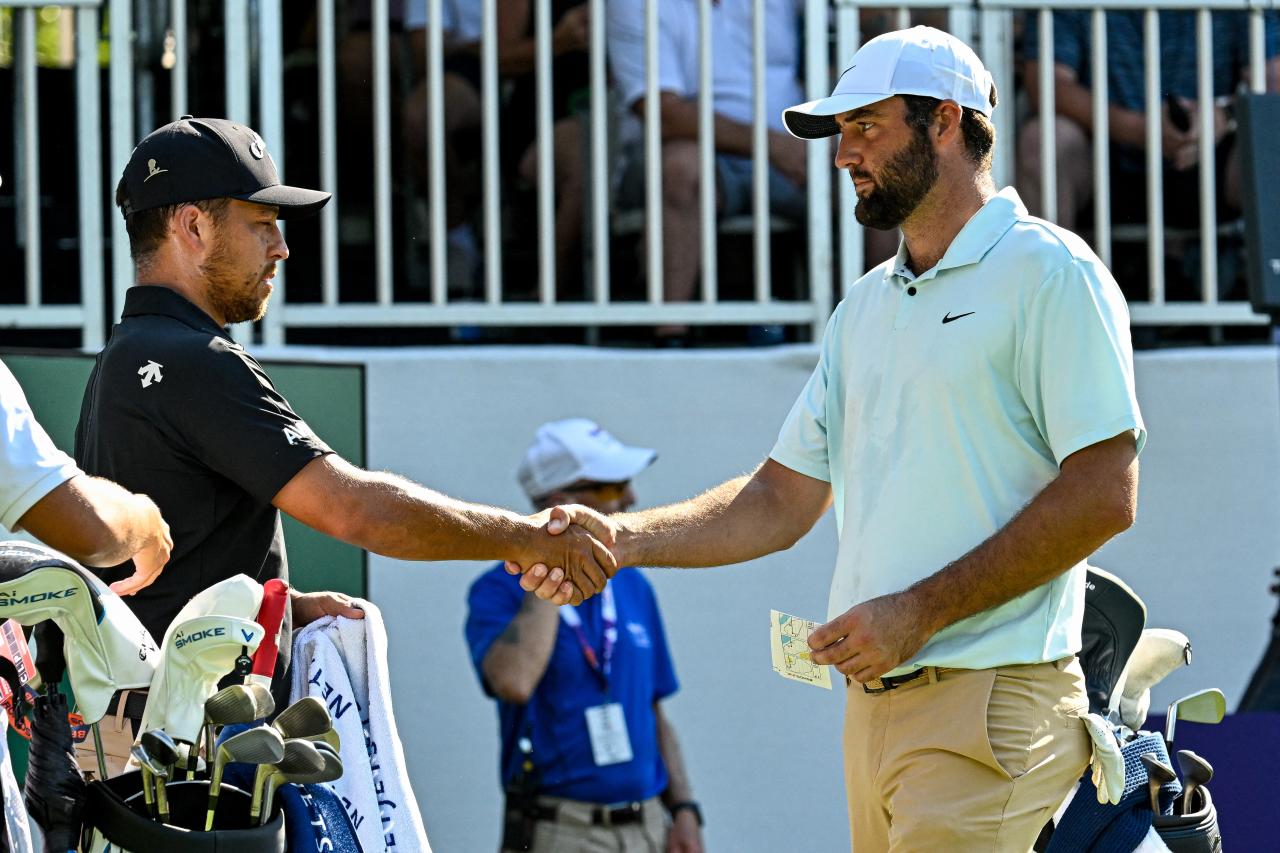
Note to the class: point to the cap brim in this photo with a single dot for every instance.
(816, 119)
(294, 202)
(620, 466)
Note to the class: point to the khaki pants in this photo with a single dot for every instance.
(117, 739)
(574, 832)
(964, 760)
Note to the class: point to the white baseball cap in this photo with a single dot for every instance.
(918, 61)
(568, 451)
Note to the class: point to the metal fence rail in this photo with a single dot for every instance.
(833, 251)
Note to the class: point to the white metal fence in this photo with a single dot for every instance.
(833, 256)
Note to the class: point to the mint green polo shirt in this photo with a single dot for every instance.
(942, 404)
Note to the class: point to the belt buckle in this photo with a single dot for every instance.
(885, 686)
(608, 815)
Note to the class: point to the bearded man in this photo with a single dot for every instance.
(972, 417)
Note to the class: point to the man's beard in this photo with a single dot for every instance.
(236, 298)
(900, 186)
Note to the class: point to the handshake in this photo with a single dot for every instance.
(570, 556)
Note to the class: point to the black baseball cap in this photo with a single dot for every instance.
(194, 159)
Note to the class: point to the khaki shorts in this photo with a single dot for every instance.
(964, 760)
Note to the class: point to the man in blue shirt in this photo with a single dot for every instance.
(588, 758)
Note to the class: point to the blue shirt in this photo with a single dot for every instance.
(555, 716)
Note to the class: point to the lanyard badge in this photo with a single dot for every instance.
(606, 723)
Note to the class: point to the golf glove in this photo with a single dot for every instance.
(1108, 762)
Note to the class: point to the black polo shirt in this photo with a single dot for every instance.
(178, 411)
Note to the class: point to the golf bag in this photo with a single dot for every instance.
(1115, 644)
(115, 821)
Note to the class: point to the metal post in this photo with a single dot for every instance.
(123, 138)
(818, 169)
(1101, 140)
(89, 186)
(707, 158)
(546, 153)
(435, 152)
(652, 155)
(1155, 158)
(326, 66)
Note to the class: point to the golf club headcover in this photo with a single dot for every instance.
(1114, 617)
(54, 790)
(197, 653)
(112, 649)
(275, 598)
(239, 596)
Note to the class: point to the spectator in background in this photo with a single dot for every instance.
(587, 752)
(462, 25)
(731, 50)
(1179, 115)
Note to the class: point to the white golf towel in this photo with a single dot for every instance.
(15, 808)
(343, 663)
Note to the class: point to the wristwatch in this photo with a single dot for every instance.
(691, 805)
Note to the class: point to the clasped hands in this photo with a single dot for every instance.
(571, 557)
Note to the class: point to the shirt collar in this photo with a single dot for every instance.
(983, 230)
(158, 299)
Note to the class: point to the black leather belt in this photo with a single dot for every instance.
(134, 704)
(884, 685)
(600, 815)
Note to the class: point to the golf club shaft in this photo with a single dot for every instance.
(97, 749)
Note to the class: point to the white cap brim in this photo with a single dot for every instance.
(816, 119)
(617, 467)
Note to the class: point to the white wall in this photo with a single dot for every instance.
(764, 753)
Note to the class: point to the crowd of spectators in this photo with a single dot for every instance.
(678, 40)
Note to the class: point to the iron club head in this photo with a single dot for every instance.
(262, 745)
(301, 757)
(331, 770)
(1203, 706)
(305, 718)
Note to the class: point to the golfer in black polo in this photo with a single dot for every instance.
(179, 411)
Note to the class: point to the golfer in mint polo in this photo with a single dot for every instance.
(972, 418)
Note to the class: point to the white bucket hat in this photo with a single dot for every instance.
(568, 451)
(919, 61)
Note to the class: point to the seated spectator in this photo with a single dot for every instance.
(733, 103)
(462, 27)
(1180, 118)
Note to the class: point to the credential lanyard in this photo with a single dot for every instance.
(609, 615)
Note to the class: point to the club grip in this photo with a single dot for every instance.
(275, 598)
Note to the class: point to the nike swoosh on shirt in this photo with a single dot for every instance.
(948, 318)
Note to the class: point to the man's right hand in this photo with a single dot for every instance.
(154, 553)
(580, 550)
(547, 579)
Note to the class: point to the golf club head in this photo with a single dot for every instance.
(261, 745)
(1159, 652)
(233, 704)
(1159, 774)
(308, 717)
(1203, 706)
(107, 649)
(332, 766)
(196, 654)
(262, 697)
(329, 738)
(162, 749)
(1194, 767)
(301, 757)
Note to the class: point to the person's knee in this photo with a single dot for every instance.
(680, 174)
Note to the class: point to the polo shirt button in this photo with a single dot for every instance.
(911, 291)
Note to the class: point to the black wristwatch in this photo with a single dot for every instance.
(691, 805)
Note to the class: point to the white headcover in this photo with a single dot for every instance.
(196, 654)
(1159, 652)
(237, 597)
(106, 647)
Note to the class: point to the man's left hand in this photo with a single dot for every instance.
(684, 836)
(872, 638)
(310, 606)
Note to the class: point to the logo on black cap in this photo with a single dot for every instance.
(152, 171)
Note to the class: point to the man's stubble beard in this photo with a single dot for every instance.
(900, 186)
(235, 298)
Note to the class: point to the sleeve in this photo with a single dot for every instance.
(665, 682)
(626, 36)
(1075, 370)
(31, 466)
(802, 441)
(241, 427)
(493, 601)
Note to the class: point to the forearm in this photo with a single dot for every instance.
(1069, 520)
(680, 121)
(517, 660)
(396, 517)
(742, 519)
(94, 521)
(679, 789)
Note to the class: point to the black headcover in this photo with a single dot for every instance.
(1114, 617)
(54, 788)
